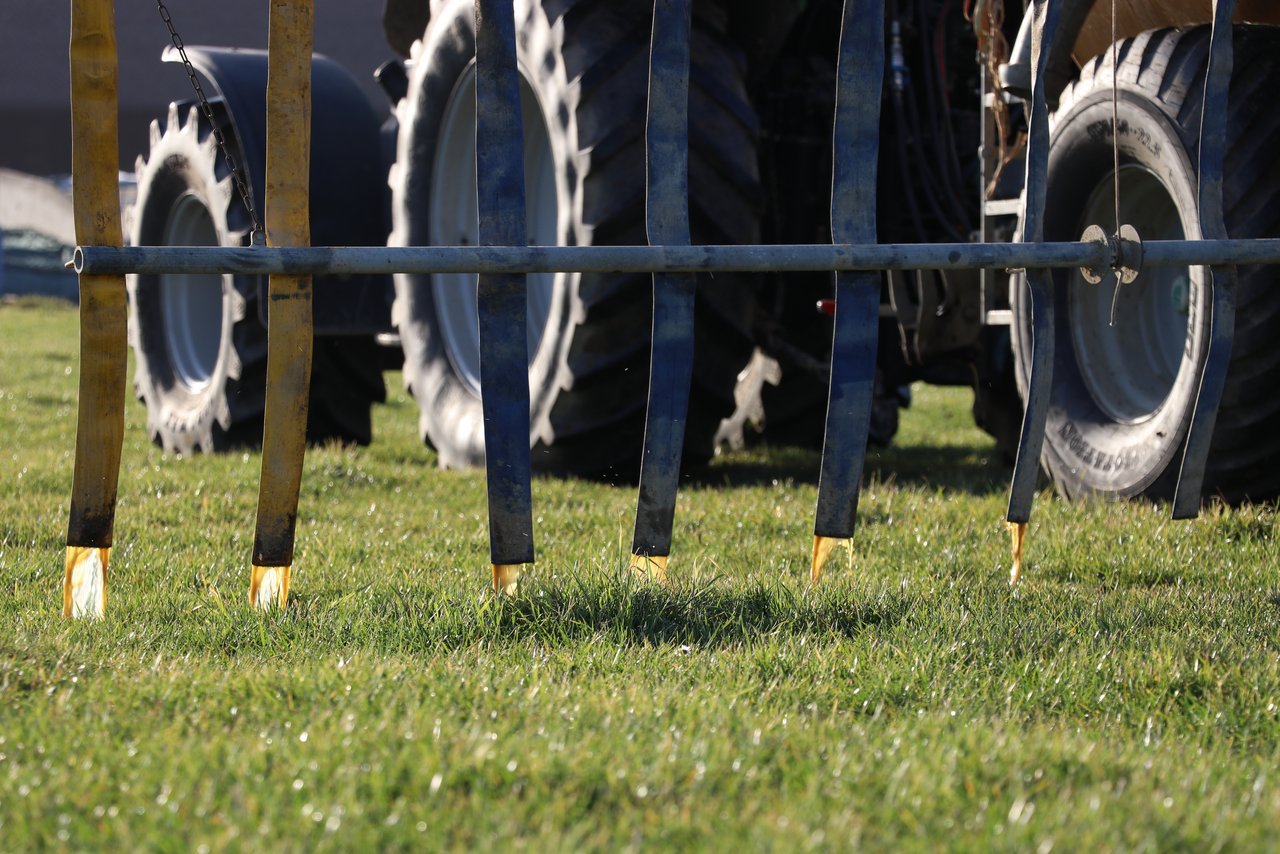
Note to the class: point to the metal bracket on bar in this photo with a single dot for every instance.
(1124, 250)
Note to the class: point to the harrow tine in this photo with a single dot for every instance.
(855, 152)
(1222, 279)
(1040, 285)
(667, 223)
(103, 310)
(289, 331)
(502, 296)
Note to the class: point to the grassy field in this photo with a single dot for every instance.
(1123, 698)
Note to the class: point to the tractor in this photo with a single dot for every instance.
(1128, 357)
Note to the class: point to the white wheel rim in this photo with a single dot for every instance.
(1130, 368)
(191, 304)
(454, 221)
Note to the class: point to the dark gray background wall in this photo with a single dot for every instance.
(35, 113)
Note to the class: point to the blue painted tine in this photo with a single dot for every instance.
(1039, 282)
(502, 297)
(667, 223)
(855, 153)
(1222, 279)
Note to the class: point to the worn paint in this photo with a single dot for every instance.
(652, 567)
(822, 549)
(1017, 536)
(84, 588)
(269, 587)
(506, 578)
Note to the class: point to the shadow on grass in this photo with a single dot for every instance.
(641, 615)
(971, 469)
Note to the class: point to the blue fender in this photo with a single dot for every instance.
(349, 198)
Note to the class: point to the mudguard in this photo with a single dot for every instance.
(349, 196)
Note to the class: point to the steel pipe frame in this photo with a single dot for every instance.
(354, 260)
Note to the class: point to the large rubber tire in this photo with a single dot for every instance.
(199, 343)
(585, 68)
(1123, 397)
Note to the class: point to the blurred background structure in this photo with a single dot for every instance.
(35, 112)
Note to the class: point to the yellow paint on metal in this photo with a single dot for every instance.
(1138, 16)
(506, 576)
(822, 548)
(103, 302)
(84, 588)
(269, 587)
(289, 321)
(653, 567)
(1017, 534)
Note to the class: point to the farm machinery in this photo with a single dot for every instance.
(637, 207)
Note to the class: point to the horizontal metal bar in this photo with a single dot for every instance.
(359, 260)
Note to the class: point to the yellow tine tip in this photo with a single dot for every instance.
(84, 585)
(822, 549)
(1017, 534)
(653, 567)
(269, 587)
(506, 578)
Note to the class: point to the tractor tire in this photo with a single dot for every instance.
(585, 80)
(198, 340)
(1123, 396)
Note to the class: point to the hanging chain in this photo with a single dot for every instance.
(1115, 146)
(241, 186)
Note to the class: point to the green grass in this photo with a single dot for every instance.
(1124, 698)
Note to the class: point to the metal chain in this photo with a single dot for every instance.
(1115, 149)
(237, 175)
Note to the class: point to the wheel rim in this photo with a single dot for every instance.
(454, 221)
(191, 304)
(1129, 369)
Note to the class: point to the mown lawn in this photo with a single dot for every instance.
(1124, 698)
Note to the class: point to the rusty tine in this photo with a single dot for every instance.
(103, 310)
(289, 334)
